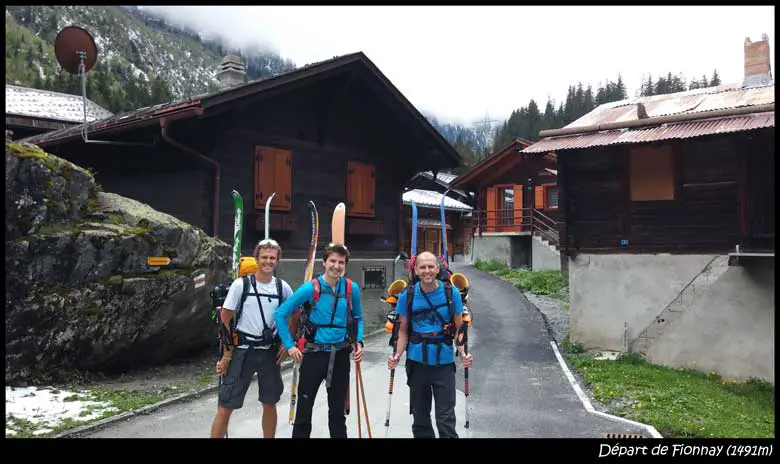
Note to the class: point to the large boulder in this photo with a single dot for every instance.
(80, 296)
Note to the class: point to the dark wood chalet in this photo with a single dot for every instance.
(330, 132)
(515, 192)
(698, 181)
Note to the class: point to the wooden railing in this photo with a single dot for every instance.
(516, 220)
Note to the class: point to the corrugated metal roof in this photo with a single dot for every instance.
(690, 102)
(433, 199)
(443, 176)
(680, 130)
(36, 103)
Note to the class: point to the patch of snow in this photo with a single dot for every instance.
(47, 408)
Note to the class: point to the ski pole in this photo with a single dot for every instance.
(357, 397)
(466, 373)
(390, 395)
(365, 407)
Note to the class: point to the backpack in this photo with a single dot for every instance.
(306, 330)
(237, 338)
(448, 328)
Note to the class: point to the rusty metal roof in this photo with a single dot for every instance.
(680, 130)
(690, 102)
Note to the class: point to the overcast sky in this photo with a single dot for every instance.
(462, 63)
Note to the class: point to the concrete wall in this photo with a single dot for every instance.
(728, 329)
(375, 311)
(512, 250)
(543, 257)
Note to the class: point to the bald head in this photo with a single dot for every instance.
(426, 267)
(427, 257)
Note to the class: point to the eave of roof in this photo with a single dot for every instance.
(513, 148)
(675, 131)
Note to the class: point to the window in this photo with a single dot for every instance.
(273, 174)
(361, 189)
(652, 173)
(374, 277)
(546, 196)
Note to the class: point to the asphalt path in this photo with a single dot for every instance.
(517, 387)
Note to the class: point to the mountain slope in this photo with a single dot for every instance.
(142, 59)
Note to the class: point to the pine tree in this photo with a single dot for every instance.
(715, 80)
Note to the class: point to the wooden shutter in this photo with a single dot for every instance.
(264, 175)
(519, 210)
(490, 208)
(282, 180)
(273, 173)
(361, 189)
(539, 197)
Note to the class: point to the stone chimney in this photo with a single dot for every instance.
(757, 65)
(231, 72)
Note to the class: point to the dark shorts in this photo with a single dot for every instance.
(245, 363)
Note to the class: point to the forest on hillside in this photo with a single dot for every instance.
(527, 121)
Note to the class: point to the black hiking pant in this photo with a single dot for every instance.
(314, 370)
(437, 382)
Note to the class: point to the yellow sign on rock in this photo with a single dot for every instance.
(158, 261)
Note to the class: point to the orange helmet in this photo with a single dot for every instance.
(247, 265)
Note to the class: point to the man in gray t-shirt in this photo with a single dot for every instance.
(258, 349)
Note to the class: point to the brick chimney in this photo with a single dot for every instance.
(231, 72)
(757, 65)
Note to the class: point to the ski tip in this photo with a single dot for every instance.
(235, 193)
(341, 206)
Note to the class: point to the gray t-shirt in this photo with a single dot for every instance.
(251, 322)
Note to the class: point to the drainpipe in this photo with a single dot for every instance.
(164, 125)
(658, 120)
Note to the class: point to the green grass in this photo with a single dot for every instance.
(680, 402)
(548, 283)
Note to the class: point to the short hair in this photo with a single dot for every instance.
(267, 244)
(337, 248)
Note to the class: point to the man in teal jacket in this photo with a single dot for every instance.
(330, 334)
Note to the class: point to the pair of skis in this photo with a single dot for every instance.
(337, 232)
(295, 319)
(238, 228)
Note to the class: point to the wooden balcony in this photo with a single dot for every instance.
(513, 221)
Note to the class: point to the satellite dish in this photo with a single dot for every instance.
(77, 53)
(72, 47)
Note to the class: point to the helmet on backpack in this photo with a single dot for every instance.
(247, 265)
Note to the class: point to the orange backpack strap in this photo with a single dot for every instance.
(349, 297)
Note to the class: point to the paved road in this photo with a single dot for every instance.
(518, 389)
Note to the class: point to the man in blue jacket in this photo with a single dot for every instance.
(428, 329)
(332, 327)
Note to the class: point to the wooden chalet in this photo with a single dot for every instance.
(516, 195)
(329, 132)
(669, 224)
(31, 111)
